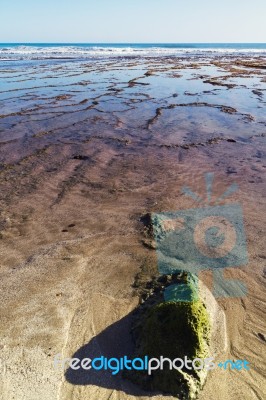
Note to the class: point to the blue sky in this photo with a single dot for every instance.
(132, 21)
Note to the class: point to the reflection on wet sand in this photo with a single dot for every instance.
(85, 151)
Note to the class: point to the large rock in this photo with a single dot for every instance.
(172, 329)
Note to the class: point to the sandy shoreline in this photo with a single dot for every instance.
(85, 152)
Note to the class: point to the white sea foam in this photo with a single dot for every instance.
(39, 52)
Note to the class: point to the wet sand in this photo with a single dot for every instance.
(85, 151)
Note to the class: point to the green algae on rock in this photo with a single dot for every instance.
(172, 329)
(175, 329)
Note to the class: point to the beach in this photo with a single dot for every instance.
(90, 144)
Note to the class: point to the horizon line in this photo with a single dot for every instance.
(58, 42)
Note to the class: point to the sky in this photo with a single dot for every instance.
(132, 21)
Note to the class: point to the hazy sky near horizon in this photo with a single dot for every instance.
(132, 21)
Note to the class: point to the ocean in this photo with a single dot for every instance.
(36, 51)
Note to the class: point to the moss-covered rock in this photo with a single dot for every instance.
(173, 329)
